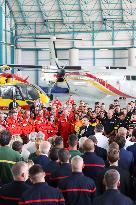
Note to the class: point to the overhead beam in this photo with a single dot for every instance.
(60, 10)
(21, 12)
(101, 10)
(81, 10)
(42, 15)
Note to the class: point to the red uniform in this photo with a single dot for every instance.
(14, 126)
(41, 125)
(64, 129)
(57, 103)
(28, 126)
(52, 129)
(72, 102)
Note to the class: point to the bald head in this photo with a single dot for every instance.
(20, 171)
(77, 164)
(88, 146)
(111, 179)
(45, 147)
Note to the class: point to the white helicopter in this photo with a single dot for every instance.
(102, 82)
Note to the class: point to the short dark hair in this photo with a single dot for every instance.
(5, 137)
(134, 133)
(121, 113)
(120, 140)
(72, 140)
(58, 140)
(93, 138)
(99, 128)
(53, 155)
(35, 169)
(64, 155)
(17, 146)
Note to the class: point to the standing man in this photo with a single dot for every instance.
(86, 130)
(11, 193)
(40, 193)
(8, 157)
(77, 189)
(13, 104)
(112, 196)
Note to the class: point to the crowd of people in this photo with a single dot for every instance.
(68, 153)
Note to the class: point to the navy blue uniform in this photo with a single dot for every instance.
(78, 189)
(93, 165)
(62, 172)
(10, 194)
(126, 159)
(42, 194)
(50, 169)
(101, 152)
(43, 160)
(132, 149)
(124, 186)
(112, 197)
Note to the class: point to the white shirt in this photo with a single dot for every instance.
(102, 141)
(128, 143)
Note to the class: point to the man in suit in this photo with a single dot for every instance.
(112, 195)
(13, 104)
(86, 130)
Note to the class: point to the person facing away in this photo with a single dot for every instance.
(113, 158)
(93, 164)
(43, 159)
(73, 143)
(10, 194)
(77, 189)
(112, 195)
(8, 157)
(64, 170)
(40, 192)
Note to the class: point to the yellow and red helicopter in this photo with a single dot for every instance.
(12, 86)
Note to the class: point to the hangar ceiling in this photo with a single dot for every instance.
(64, 16)
(76, 18)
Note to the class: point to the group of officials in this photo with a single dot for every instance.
(68, 153)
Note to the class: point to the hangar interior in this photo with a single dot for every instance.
(105, 31)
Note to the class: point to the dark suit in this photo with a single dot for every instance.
(88, 130)
(124, 180)
(101, 152)
(112, 197)
(13, 105)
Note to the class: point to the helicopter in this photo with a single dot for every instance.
(14, 87)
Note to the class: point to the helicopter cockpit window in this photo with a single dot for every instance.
(28, 92)
(6, 92)
(32, 93)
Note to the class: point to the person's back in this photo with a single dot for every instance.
(40, 192)
(53, 165)
(132, 148)
(64, 170)
(10, 194)
(113, 158)
(112, 196)
(8, 157)
(43, 159)
(126, 159)
(73, 142)
(77, 189)
(93, 164)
